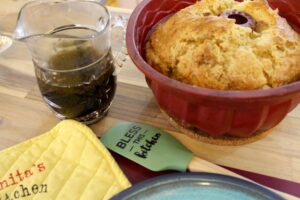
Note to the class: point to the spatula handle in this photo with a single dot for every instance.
(200, 165)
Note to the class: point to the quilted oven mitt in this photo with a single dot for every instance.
(68, 162)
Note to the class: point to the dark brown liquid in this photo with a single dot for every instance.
(84, 91)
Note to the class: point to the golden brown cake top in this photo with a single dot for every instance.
(200, 45)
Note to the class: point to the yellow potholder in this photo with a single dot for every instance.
(68, 162)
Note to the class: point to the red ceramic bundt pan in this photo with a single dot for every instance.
(215, 112)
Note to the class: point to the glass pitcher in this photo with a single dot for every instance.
(70, 44)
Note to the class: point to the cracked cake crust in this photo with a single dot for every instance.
(199, 46)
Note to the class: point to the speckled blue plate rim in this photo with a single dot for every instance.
(195, 175)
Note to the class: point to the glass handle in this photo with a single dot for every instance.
(118, 44)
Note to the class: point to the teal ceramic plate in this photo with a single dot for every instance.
(192, 186)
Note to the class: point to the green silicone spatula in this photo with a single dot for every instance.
(154, 149)
(157, 150)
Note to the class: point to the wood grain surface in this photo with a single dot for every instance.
(24, 115)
